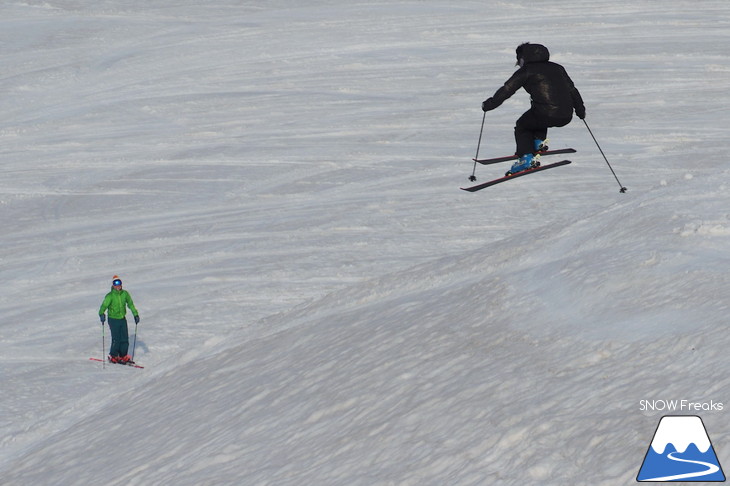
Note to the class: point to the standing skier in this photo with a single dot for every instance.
(116, 302)
(553, 100)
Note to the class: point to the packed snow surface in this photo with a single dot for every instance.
(277, 184)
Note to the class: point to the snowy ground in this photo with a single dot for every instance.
(278, 187)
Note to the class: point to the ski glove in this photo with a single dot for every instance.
(136, 319)
(102, 317)
(488, 105)
(581, 112)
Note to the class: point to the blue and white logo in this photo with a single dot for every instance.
(681, 451)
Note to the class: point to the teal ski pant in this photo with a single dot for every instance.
(120, 337)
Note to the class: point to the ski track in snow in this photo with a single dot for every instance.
(278, 186)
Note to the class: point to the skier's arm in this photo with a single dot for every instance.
(508, 89)
(131, 306)
(580, 108)
(105, 304)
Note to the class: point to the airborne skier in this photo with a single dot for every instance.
(554, 97)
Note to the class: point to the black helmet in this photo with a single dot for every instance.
(531, 53)
(519, 51)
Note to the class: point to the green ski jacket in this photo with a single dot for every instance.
(117, 301)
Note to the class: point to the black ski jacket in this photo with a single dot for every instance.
(553, 94)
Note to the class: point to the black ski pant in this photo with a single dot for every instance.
(530, 127)
(120, 337)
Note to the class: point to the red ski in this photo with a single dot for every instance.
(515, 157)
(134, 365)
(513, 176)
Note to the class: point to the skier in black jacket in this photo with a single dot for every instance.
(554, 97)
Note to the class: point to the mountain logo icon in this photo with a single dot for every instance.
(681, 451)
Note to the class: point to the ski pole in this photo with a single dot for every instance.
(473, 177)
(134, 343)
(623, 188)
(103, 346)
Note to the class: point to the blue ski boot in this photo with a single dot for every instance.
(527, 161)
(541, 145)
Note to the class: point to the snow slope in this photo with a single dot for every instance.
(277, 185)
